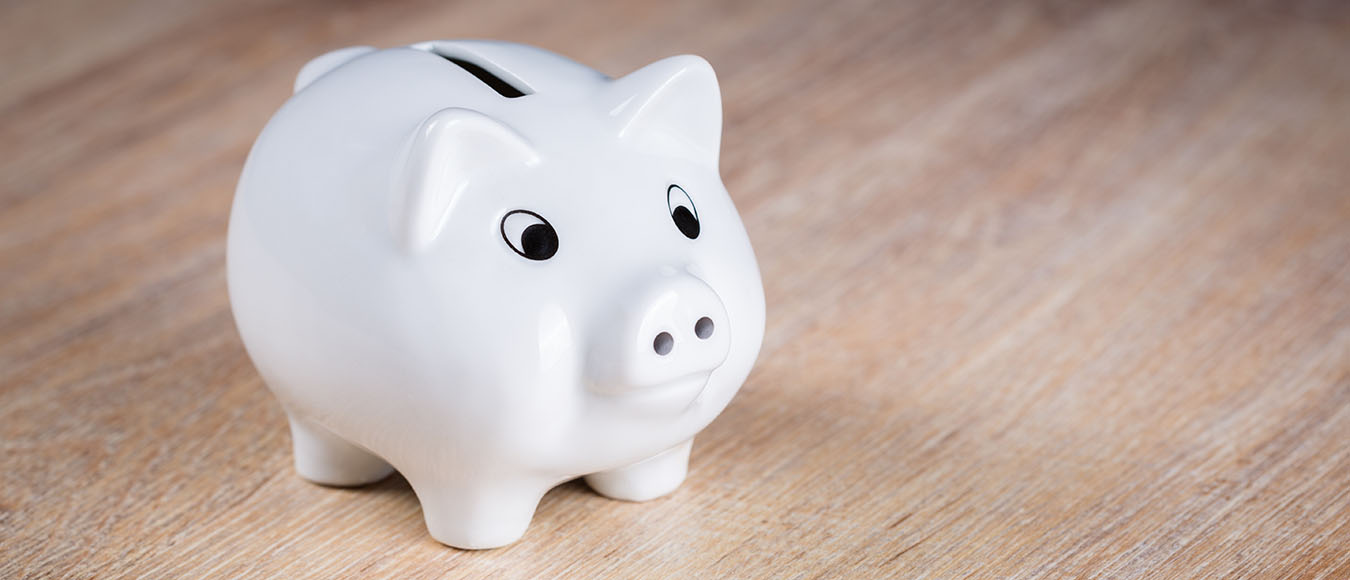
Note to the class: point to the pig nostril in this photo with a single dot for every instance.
(663, 344)
(704, 327)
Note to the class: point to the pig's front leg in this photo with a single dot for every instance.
(322, 457)
(479, 514)
(647, 479)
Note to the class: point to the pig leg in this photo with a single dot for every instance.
(322, 457)
(647, 479)
(477, 516)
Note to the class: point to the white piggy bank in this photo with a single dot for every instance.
(494, 270)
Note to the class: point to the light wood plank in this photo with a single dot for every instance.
(1055, 290)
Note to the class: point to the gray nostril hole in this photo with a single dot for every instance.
(704, 327)
(663, 344)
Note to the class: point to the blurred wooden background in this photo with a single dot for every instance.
(1056, 289)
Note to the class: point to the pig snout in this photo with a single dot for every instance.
(672, 331)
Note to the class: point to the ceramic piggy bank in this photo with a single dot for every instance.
(494, 270)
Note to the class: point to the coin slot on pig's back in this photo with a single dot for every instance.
(487, 72)
(497, 83)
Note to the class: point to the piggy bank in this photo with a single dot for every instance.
(494, 270)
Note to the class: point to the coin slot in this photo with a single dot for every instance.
(493, 81)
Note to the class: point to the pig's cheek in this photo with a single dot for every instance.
(557, 344)
(559, 373)
(542, 398)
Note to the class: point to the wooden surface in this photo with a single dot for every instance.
(1055, 289)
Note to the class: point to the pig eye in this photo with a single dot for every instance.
(529, 234)
(682, 210)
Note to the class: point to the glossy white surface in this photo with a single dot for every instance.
(385, 272)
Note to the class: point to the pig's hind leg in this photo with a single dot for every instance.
(647, 479)
(325, 458)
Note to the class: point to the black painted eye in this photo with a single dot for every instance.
(529, 234)
(682, 210)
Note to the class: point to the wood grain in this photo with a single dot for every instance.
(1056, 289)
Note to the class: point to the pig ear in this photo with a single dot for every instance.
(673, 104)
(450, 150)
(327, 62)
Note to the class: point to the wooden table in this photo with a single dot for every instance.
(1055, 289)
